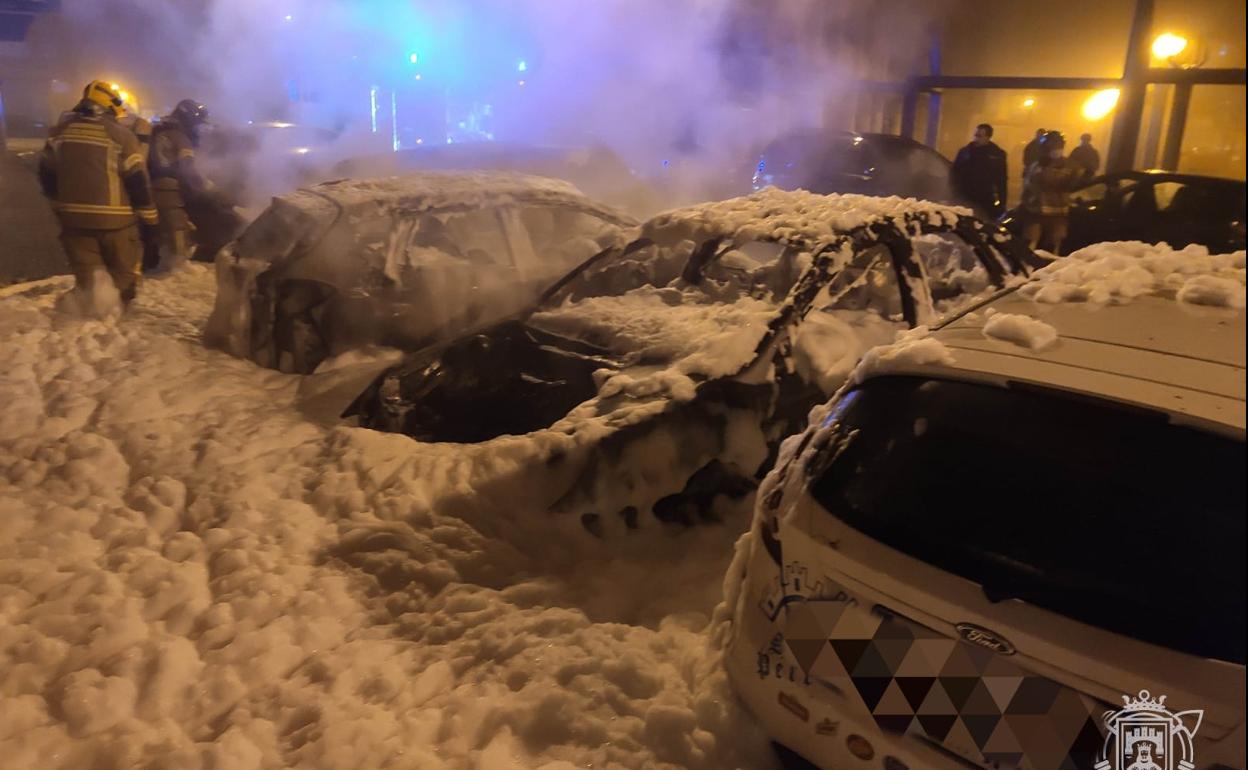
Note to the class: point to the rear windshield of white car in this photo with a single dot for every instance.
(1106, 514)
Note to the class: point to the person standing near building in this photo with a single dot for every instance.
(1086, 157)
(174, 175)
(95, 173)
(1031, 153)
(1046, 194)
(980, 172)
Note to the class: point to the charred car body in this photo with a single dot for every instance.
(396, 262)
(680, 359)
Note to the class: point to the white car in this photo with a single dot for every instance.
(988, 541)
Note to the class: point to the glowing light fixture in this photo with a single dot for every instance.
(522, 66)
(414, 58)
(1028, 103)
(1168, 45)
(520, 83)
(302, 150)
(289, 17)
(372, 108)
(1101, 104)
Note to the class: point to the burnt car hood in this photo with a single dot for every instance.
(525, 375)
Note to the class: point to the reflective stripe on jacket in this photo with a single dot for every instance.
(95, 173)
(1047, 189)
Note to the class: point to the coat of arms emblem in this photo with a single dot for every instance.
(1145, 735)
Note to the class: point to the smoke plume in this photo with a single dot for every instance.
(682, 91)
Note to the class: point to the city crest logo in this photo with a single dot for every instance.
(1145, 735)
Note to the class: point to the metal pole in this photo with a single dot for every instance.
(934, 57)
(3, 132)
(1178, 124)
(1126, 135)
(933, 118)
(1158, 93)
(909, 111)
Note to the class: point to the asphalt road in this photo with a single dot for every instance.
(29, 246)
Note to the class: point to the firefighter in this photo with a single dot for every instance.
(95, 173)
(1046, 194)
(139, 126)
(174, 176)
(128, 116)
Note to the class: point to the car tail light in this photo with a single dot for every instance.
(860, 747)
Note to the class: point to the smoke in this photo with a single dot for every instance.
(682, 91)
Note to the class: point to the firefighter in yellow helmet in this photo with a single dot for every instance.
(128, 116)
(174, 176)
(95, 173)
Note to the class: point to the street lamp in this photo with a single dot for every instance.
(1168, 45)
(1179, 51)
(1101, 103)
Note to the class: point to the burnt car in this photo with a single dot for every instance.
(664, 371)
(397, 262)
(1153, 207)
(246, 163)
(850, 162)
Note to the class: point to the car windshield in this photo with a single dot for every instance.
(809, 153)
(1110, 191)
(1103, 513)
(275, 233)
(721, 269)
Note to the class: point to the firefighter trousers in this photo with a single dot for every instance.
(177, 243)
(119, 252)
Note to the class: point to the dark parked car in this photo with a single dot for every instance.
(1154, 206)
(849, 162)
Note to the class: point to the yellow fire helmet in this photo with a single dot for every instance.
(104, 94)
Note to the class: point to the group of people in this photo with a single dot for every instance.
(981, 175)
(118, 185)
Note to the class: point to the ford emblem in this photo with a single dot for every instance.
(984, 638)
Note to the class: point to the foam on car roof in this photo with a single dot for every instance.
(797, 215)
(429, 191)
